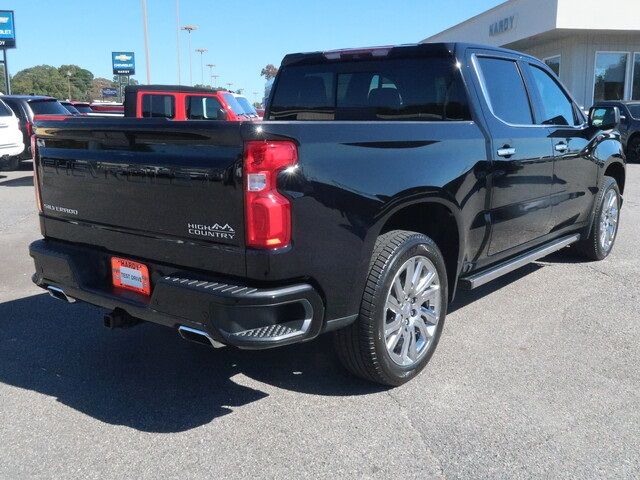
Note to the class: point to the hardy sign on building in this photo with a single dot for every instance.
(7, 29)
(124, 63)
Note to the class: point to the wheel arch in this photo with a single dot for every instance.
(437, 218)
(616, 170)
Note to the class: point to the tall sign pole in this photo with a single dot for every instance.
(124, 64)
(7, 40)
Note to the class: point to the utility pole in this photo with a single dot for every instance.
(189, 29)
(210, 65)
(201, 51)
(145, 26)
(178, 36)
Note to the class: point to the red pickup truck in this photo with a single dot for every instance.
(177, 102)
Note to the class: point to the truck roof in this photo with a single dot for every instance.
(169, 88)
(404, 50)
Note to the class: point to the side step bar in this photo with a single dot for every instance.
(485, 276)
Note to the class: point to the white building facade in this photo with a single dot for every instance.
(593, 45)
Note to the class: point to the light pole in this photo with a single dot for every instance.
(255, 97)
(69, 82)
(229, 86)
(213, 80)
(201, 51)
(178, 36)
(210, 65)
(189, 29)
(145, 25)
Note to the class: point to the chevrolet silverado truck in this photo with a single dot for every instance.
(381, 181)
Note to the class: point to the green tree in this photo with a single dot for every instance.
(79, 79)
(269, 71)
(40, 80)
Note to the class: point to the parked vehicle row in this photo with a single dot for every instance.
(11, 142)
(381, 182)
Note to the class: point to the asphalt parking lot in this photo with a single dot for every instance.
(536, 375)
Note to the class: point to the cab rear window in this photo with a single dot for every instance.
(158, 106)
(422, 89)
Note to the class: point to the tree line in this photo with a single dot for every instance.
(67, 81)
(76, 83)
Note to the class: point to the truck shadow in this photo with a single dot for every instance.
(146, 377)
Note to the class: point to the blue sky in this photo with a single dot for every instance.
(241, 37)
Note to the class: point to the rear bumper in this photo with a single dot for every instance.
(228, 311)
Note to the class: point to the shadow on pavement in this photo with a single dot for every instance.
(146, 377)
(18, 182)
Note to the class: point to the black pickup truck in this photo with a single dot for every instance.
(381, 181)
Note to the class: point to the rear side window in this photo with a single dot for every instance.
(505, 89)
(423, 89)
(48, 107)
(204, 108)
(4, 110)
(158, 106)
(557, 109)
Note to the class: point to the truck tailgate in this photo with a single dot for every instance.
(167, 191)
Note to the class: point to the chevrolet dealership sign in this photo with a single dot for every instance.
(124, 63)
(7, 29)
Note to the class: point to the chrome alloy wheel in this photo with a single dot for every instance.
(412, 311)
(609, 220)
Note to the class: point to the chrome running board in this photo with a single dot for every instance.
(485, 276)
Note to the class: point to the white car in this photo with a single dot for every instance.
(11, 144)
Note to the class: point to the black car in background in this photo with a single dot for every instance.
(629, 126)
(26, 107)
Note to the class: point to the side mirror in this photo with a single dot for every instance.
(604, 118)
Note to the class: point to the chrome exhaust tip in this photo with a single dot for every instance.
(59, 294)
(198, 336)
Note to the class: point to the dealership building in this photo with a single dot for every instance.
(593, 45)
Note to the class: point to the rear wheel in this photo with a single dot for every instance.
(402, 311)
(599, 244)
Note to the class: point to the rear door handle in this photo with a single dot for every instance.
(506, 151)
(561, 147)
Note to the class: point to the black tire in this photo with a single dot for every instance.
(633, 150)
(13, 163)
(361, 346)
(590, 247)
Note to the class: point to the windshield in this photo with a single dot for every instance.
(248, 108)
(634, 109)
(428, 89)
(233, 103)
(48, 107)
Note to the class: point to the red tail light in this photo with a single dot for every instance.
(29, 127)
(268, 213)
(36, 177)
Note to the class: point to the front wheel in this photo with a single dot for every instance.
(402, 311)
(599, 244)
